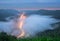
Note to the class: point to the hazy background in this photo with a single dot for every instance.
(29, 3)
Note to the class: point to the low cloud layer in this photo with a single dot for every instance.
(32, 25)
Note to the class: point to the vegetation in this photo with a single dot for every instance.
(5, 37)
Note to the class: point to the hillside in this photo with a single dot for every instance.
(4, 13)
(54, 13)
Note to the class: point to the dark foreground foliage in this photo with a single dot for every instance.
(5, 37)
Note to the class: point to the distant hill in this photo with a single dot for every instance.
(54, 13)
(4, 13)
(10, 12)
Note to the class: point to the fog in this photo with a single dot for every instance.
(37, 23)
(32, 25)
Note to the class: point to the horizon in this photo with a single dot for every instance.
(29, 3)
(19, 9)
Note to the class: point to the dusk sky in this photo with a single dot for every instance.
(29, 3)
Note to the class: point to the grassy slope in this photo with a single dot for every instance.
(5, 37)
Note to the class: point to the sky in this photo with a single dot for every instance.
(22, 1)
(29, 3)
